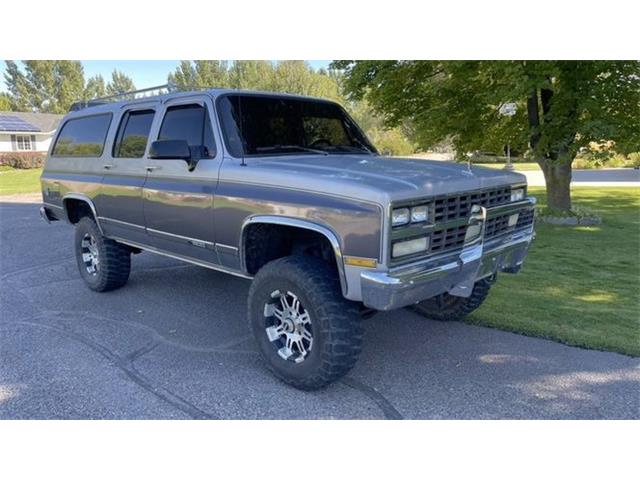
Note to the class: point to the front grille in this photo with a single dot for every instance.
(457, 206)
(442, 240)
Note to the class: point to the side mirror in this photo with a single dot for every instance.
(170, 149)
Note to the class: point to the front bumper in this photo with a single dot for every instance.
(454, 273)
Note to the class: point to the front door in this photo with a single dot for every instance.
(178, 198)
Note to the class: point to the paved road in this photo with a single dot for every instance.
(606, 177)
(174, 344)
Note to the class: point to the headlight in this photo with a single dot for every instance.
(409, 247)
(399, 216)
(419, 214)
(517, 194)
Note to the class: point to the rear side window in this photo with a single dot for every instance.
(190, 123)
(83, 137)
(133, 133)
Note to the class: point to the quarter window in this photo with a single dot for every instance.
(133, 133)
(83, 137)
(191, 123)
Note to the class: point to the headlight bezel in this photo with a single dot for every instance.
(412, 214)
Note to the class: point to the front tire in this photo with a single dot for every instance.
(104, 264)
(449, 308)
(308, 334)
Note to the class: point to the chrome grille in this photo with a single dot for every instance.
(457, 206)
(442, 240)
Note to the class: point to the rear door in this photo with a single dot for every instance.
(120, 204)
(178, 200)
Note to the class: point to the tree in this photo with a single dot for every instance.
(5, 102)
(120, 83)
(95, 88)
(45, 85)
(290, 76)
(200, 74)
(563, 106)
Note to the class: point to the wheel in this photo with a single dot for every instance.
(103, 263)
(448, 308)
(308, 334)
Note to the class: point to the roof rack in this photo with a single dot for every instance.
(133, 94)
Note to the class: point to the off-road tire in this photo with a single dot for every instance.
(115, 258)
(336, 324)
(448, 308)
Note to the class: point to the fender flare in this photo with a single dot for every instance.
(297, 223)
(85, 199)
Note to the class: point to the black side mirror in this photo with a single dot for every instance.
(170, 150)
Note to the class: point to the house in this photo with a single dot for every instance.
(23, 132)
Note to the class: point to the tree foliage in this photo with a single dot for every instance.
(95, 88)
(120, 83)
(44, 85)
(563, 106)
(5, 102)
(291, 76)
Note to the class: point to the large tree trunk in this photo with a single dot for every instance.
(557, 175)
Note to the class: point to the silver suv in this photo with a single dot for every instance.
(286, 191)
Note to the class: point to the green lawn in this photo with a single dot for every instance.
(579, 285)
(14, 181)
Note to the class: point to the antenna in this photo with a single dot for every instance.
(242, 162)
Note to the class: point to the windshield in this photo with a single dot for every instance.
(286, 126)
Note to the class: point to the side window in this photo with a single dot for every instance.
(191, 123)
(83, 137)
(133, 133)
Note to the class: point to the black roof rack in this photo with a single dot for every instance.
(148, 92)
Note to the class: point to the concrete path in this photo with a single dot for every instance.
(608, 177)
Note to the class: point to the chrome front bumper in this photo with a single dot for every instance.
(453, 273)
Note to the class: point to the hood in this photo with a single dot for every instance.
(377, 178)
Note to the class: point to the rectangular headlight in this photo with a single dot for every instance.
(517, 194)
(409, 247)
(399, 216)
(419, 214)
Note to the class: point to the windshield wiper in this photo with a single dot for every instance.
(289, 147)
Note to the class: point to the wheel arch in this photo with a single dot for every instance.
(71, 201)
(298, 223)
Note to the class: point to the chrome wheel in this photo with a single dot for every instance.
(90, 255)
(288, 326)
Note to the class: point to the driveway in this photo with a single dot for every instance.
(174, 344)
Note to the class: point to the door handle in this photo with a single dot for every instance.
(107, 166)
(152, 168)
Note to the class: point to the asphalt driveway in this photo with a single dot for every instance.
(174, 343)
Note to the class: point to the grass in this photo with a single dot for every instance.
(580, 285)
(13, 181)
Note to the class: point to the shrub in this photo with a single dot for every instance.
(22, 160)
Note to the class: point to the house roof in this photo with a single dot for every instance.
(29, 122)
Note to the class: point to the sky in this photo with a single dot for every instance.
(145, 73)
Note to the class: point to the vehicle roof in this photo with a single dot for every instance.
(108, 107)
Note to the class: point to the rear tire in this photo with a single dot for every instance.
(308, 334)
(104, 264)
(449, 308)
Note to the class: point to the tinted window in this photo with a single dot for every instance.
(133, 133)
(83, 137)
(262, 125)
(190, 123)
